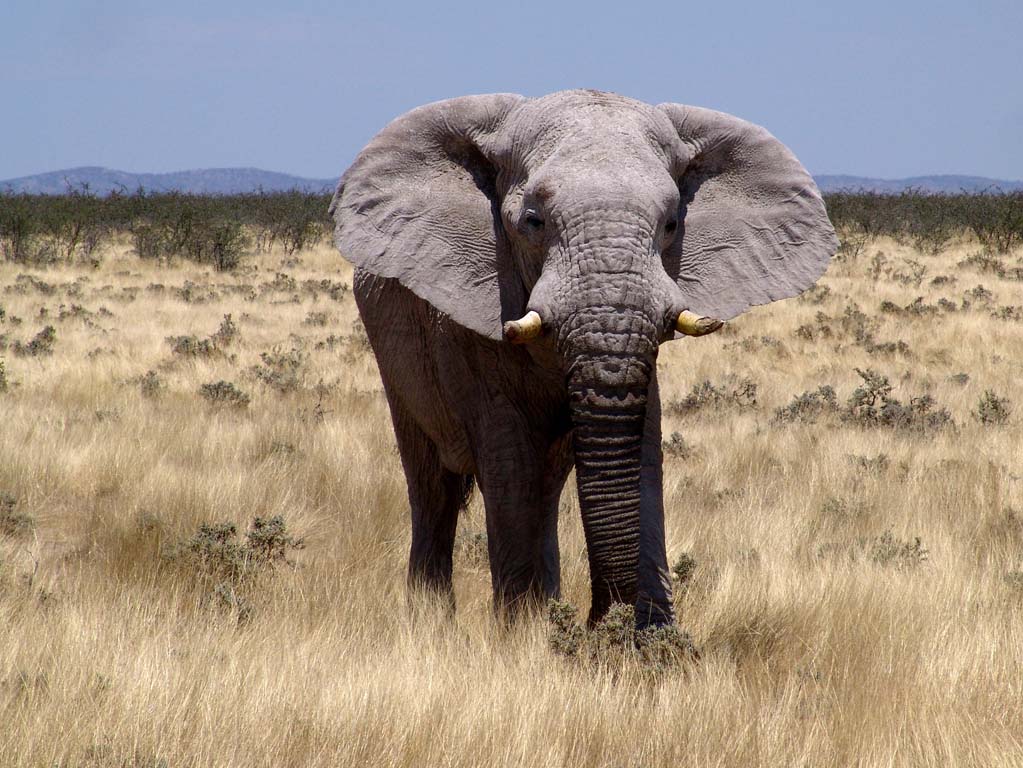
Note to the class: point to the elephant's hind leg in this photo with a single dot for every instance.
(435, 496)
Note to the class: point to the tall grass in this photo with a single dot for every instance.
(829, 635)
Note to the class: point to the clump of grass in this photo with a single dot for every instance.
(615, 642)
(890, 551)
(13, 523)
(41, 344)
(992, 410)
(224, 393)
(4, 383)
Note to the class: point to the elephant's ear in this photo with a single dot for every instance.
(418, 205)
(753, 227)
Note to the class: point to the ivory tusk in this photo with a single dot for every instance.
(691, 324)
(521, 331)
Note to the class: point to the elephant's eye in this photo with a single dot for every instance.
(670, 227)
(533, 221)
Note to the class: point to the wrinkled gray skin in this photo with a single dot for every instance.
(605, 215)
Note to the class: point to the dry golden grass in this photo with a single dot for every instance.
(113, 653)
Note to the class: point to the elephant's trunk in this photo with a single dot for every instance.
(607, 385)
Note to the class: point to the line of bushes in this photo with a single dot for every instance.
(207, 229)
(928, 221)
(218, 229)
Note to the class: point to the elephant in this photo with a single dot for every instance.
(517, 264)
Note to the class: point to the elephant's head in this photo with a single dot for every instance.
(587, 222)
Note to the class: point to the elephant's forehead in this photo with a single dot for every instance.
(586, 122)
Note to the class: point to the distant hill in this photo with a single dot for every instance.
(226, 181)
(215, 181)
(933, 184)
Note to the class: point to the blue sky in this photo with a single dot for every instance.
(870, 88)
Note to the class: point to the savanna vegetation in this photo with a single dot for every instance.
(203, 529)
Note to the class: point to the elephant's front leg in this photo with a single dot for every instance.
(654, 605)
(520, 498)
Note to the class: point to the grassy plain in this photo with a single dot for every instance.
(829, 635)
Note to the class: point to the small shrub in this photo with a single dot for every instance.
(890, 551)
(191, 346)
(992, 409)
(614, 636)
(319, 319)
(872, 405)
(818, 294)
(282, 283)
(615, 641)
(684, 569)
(224, 393)
(215, 555)
(281, 370)
(336, 290)
(978, 294)
(3, 377)
(664, 648)
(705, 395)
(677, 447)
(13, 523)
(565, 636)
(873, 465)
(473, 547)
(268, 541)
(150, 384)
(225, 334)
(808, 407)
(214, 344)
(41, 344)
(1012, 314)
(837, 512)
